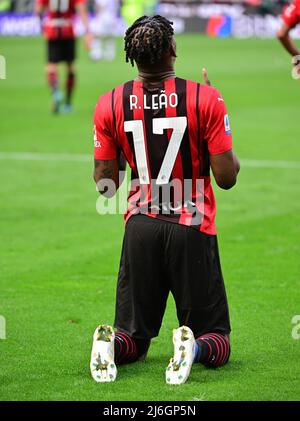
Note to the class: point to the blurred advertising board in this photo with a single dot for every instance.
(237, 18)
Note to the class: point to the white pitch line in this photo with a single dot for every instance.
(41, 156)
(256, 163)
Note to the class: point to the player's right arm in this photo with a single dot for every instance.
(290, 17)
(225, 167)
(223, 161)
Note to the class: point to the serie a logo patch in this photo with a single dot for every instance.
(227, 124)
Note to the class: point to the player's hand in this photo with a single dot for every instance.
(205, 77)
(88, 39)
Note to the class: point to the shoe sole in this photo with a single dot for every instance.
(102, 365)
(181, 363)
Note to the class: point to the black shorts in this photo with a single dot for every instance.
(159, 257)
(61, 50)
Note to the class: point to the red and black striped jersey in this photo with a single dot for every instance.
(166, 132)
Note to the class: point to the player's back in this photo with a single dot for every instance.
(161, 128)
(166, 131)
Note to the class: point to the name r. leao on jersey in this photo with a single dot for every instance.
(154, 102)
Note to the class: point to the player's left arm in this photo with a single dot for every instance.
(109, 174)
(84, 16)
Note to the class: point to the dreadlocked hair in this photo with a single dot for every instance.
(148, 39)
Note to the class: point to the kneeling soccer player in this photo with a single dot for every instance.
(171, 131)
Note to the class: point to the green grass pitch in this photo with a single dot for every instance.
(59, 258)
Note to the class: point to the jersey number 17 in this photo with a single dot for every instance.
(136, 127)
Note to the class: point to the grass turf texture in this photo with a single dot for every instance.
(59, 258)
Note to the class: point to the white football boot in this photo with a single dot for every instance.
(103, 367)
(181, 363)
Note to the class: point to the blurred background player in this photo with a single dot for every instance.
(58, 29)
(103, 45)
(291, 18)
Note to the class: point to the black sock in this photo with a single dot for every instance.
(213, 350)
(128, 349)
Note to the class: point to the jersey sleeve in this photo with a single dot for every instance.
(105, 147)
(217, 131)
(291, 14)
